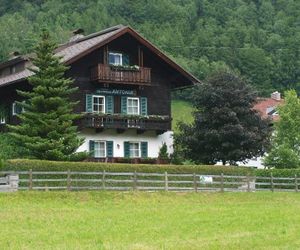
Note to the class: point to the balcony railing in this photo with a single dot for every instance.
(158, 123)
(116, 74)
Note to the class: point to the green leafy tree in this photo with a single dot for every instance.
(285, 151)
(225, 128)
(46, 127)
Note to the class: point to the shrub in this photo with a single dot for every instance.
(40, 165)
(163, 152)
(9, 148)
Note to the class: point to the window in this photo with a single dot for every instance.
(133, 106)
(17, 109)
(115, 58)
(100, 149)
(134, 149)
(98, 104)
(2, 119)
(12, 69)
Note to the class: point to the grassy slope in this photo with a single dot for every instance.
(100, 220)
(181, 111)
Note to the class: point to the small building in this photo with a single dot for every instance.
(124, 91)
(267, 107)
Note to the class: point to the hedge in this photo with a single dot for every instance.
(39, 165)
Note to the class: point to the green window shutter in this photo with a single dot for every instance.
(144, 106)
(144, 149)
(110, 149)
(89, 103)
(92, 147)
(125, 59)
(123, 104)
(126, 149)
(109, 104)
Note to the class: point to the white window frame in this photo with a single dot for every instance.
(14, 109)
(2, 119)
(116, 54)
(105, 153)
(138, 101)
(139, 154)
(99, 96)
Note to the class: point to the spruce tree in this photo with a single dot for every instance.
(47, 124)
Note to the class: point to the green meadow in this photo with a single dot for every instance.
(140, 220)
(181, 111)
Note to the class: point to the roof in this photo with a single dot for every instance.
(72, 51)
(267, 107)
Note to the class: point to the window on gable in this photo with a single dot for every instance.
(2, 119)
(133, 106)
(134, 149)
(98, 104)
(115, 58)
(17, 109)
(100, 149)
(12, 69)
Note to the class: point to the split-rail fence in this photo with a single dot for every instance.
(137, 181)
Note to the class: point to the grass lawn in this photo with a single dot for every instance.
(114, 220)
(181, 111)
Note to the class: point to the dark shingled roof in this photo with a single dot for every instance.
(71, 51)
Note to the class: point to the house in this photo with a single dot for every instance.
(124, 91)
(267, 107)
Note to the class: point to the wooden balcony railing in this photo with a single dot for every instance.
(125, 122)
(108, 73)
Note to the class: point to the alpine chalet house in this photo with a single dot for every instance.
(124, 91)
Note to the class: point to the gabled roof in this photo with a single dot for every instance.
(73, 51)
(267, 107)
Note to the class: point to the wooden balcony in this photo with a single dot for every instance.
(117, 74)
(159, 124)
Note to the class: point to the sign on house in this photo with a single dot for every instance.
(122, 92)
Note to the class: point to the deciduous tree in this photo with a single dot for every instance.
(226, 128)
(285, 151)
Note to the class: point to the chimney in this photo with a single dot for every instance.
(77, 34)
(14, 54)
(276, 96)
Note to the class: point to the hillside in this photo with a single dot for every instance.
(181, 111)
(259, 39)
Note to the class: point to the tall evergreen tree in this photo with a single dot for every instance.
(46, 127)
(225, 128)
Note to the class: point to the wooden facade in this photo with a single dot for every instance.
(118, 68)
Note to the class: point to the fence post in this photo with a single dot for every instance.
(13, 181)
(166, 182)
(195, 183)
(69, 180)
(248, 183)
(30, 179)
(103, 180)
(272, 183)
(222, 182)
(296, 183)
(135, 181)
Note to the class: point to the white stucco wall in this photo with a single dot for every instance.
(154, 141)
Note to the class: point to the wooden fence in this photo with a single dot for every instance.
(125, 181)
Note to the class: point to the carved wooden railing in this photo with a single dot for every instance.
(108, 73)
(126, 122)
